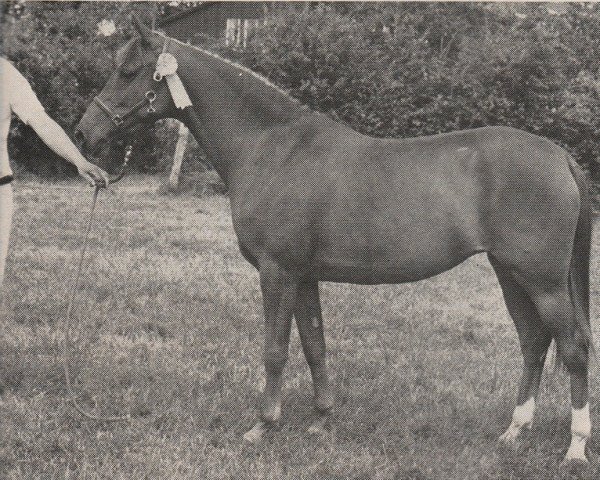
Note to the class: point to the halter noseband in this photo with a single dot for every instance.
(117, 119)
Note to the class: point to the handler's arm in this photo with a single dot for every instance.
(55, 137)
(24, 102)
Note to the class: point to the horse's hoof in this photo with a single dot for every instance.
(574, 464)
(256, 433)
(575, 459)
(317, 428)
(508, 440)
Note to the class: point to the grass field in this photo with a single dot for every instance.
(425, 373)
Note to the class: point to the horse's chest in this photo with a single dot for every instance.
(279, 228)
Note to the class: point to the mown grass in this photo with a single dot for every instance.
(171, 332)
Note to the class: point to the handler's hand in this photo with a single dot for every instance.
(93, 174)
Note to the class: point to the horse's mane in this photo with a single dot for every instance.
(236, 65)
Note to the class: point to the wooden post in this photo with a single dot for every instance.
(182, 142)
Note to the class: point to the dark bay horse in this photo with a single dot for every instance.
(312, 200)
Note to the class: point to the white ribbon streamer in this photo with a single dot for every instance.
(178, 92)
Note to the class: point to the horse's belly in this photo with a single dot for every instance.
(395, 267)
(389, 246)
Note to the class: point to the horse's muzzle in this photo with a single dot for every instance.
(79, 139)
(95, 147)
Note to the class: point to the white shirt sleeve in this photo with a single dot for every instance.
(22, 99)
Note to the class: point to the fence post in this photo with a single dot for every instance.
(182, 142)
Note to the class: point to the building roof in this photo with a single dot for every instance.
(204, 6)
(176, 16)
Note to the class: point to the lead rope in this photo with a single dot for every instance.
(67, 326)
(67, 323)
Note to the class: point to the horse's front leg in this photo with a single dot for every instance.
(279, 290)
(310, 326)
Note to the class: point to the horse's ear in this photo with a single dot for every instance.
(142, 29)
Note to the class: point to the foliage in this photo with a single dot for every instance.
(167, 134)
(403, 69)
(386, 69)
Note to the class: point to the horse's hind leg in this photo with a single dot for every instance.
(557, 309)
(548, 307)
(310, 326)
(534, 338)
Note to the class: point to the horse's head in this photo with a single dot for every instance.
(132, 95)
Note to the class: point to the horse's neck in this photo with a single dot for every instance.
(232, 110)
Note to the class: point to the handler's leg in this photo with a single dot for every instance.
(6, 212)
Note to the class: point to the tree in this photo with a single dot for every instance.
(386, 69)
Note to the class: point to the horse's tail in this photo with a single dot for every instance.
(579, 274)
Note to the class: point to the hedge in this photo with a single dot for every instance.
(386, 69)
(408, 69)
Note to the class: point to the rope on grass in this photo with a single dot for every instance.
(69, 315)
(67, 326)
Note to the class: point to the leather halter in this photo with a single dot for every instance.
(119, 119)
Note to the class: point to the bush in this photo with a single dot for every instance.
(167, 134)
(401, 69)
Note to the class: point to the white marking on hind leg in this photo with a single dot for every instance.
(581, 430)
(522, 418)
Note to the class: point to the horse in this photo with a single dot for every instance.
(313, 200)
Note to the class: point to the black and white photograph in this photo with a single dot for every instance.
(299, 240)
